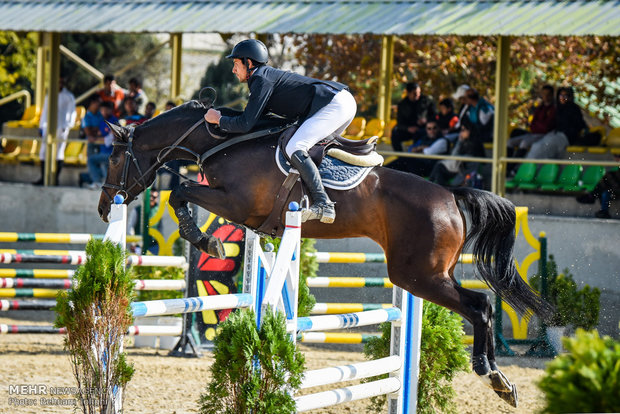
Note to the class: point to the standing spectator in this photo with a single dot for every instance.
(447, 119)
(90, 125)
(150, 110)
(432, 144)
(480, 113)
(135, 91)
(543, 122)
(413, 112)
(453, 172)
(97, 162)
(111, 92)
(65, 121)
(569, 125)
(606, 190)
(132, 116)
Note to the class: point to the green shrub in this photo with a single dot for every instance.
(442, 355)
(96, 315)
(254, 371)
(573, 306)
(586, 379)
(308, 266)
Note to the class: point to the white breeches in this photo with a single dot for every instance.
(61, 144)
(334, 117)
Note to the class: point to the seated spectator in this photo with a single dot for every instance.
(606, 190)
(480, 114)
(135, 91)
(447, 119)
(98, 162)
(432, 144)
(111, 92)
(569, 126)
(150, 110)
(132, 116)
(543, 122)
(411, 116)
(459, 96)
(453, 172)
(169, 105)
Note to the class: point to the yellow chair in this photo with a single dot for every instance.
(29, 151)
(387, 131)
(81, 112)
(613, 138)
(355, 130)
(73, 153)
(30, 118)
(10, 149)
(374, 127)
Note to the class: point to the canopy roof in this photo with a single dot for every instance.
(430, 17)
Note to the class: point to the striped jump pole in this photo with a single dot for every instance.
(6, 305)
(347, 320)
(346, 257)
(141, 284)
(337, 308)
(349, 282)
(135, 330)
(28, 293)
(79, 257)
(38, 273)
(335, 338)
(59, 238)
(188, 305)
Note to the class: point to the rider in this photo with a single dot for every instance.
(323, 107)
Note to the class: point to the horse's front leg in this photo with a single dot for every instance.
(208, 198)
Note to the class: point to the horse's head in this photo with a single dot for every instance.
(129, 169)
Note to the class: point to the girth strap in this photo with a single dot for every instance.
(273, 221)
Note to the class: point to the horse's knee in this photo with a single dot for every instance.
(177, 196)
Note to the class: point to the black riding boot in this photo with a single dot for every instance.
(41, 180)
(322, 207)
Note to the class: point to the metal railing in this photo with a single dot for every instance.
(17, 95)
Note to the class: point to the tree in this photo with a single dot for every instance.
(17, 53)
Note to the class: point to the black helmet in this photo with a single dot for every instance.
(250, 49)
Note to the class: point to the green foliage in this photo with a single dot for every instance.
(586, 379)
(308, 266)
(573, 306)
(254, 371)
(96, 315)
(159, 273)
(220, 77)
(442, 356)
(18, 51)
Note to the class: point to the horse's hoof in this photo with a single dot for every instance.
(215, 248)
(502, 386)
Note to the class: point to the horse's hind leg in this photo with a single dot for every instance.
(188, 228)
(474, 306)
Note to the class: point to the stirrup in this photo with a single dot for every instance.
(324, 212)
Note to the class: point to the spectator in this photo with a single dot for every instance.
(543, 122)
(432, 144)
(569, 125)
(97, 162)
(132, 116)
(480, 114)
(412, 114)
(447, 119)
(150, 110)
(453, 172)
(135, 91)
(459, 96)
(606, 190)
(169, 105)
(111, 92)
(91, 127)
(65, 121)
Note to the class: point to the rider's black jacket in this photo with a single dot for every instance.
(283, 93)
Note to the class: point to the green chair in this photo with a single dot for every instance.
(590, 177)
(525, 174)
(568, 177)
(546, 175)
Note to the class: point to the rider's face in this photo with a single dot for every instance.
(240, 71)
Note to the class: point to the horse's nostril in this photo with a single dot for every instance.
(100, 211)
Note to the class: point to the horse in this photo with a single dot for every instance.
(421, 226)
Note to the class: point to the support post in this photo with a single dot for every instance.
(50, 140)
(385, 81)
(500, 128)
(40, 75)
(176, 43)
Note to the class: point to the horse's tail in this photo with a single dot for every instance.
(492, 231)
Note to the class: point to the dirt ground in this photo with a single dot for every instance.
(164, 384)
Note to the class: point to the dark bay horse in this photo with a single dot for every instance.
(420, 225)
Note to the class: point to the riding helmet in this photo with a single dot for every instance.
(250, 49)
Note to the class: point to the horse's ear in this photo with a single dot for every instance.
(119, 131)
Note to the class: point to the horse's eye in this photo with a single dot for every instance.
(114, 160)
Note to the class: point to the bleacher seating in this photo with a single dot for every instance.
(356, 128)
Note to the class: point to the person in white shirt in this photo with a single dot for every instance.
(66, 119)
